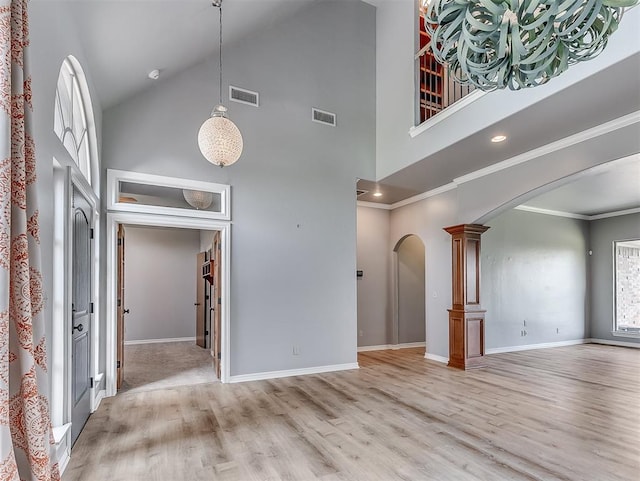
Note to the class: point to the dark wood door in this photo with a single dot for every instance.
(201, 328)
(121, 310)
(216, 302)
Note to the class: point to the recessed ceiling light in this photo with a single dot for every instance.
(498, 138)
(377, 194)
(154, 74)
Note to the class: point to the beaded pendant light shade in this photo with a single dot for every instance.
(219, 139)
(197, 198)
(495, 44)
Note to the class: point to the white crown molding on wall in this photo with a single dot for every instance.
(556, 213)
(597, 131)
(374, 205)
(425, 195)
(615, 214)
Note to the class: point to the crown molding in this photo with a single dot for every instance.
(597, 131)
(374, 205)
(424, 195)
(556, 213)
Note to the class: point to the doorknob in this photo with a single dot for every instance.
(126, 311)
(196, 303)
(79, 327)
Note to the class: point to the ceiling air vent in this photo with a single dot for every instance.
(323, 117)
(360, 192)
(244, 96)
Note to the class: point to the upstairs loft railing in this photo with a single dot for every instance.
(437, 89)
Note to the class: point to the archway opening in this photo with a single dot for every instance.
(410, 320)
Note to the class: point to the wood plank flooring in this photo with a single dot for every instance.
(566, 414)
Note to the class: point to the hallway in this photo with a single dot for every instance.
(165, 365)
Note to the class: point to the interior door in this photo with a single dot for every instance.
(121, 310)
(201, 338)
(216, 302)
(81, 309)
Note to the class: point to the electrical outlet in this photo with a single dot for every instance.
(296, 350)
(524, 323)
(557, 330)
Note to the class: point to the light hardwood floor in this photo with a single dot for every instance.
(556, 414)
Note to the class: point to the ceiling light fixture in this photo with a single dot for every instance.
(154, 74)
(498, 138)
(197, 198)
(219, 139)
(518, 43)
(377, 194)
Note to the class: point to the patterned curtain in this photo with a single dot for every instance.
(25, 428)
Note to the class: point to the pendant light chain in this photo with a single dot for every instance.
(220, 53)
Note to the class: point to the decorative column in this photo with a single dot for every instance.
(466, 317)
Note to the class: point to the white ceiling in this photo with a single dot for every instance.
(124, 40)
(609, 188)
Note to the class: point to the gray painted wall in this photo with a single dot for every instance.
(53, 37)
(160, 282)
(534, 270)
(293, 248)
(411, 290)
(603, 233)
(374, 257)
(426, 220)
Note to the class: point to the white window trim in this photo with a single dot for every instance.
(114, 177)
(635, 334)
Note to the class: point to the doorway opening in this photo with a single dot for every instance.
(116, 266)
(409, 293)
(166, 282)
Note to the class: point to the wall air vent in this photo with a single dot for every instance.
(323, 117)
(360, 192)
(244, 96)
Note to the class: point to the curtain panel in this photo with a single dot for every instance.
(26, 443)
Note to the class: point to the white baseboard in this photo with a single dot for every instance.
(435, 357)
(260, 376)
(62, 439)
(154, 341)
(528, 347)
(99, 397)
(614, 343)
(383, 347)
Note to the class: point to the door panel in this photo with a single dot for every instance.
(120, 313)
(80, 313)
(200, 301)
(216, 302)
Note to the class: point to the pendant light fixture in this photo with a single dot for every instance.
(219, 139)
(197, 198)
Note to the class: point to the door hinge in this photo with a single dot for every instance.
(119, 302)
(91, 308)
(119, 242)
(219, 301)
(206, 333)
(219, 356)
(91, 234)
(91, 382)
(118, 365)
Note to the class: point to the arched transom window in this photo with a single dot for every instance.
(70, 118)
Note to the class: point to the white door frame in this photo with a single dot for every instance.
(159, 220)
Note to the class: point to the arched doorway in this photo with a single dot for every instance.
(409, 318)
